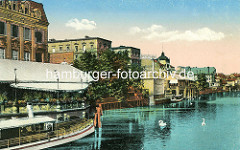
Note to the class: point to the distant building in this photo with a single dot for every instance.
(133, 53)
(23, 31)
(71, 49)
(209, 72)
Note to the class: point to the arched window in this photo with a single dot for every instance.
(38, 36)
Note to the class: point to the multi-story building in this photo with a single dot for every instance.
(71, 49)
(23, 31)
(156, 85)
(209, 73)
(133, 53)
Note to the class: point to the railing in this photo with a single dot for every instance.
(44, 136)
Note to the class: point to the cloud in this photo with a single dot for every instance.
(84, 24)
(160, 33)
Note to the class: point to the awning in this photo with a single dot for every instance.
(173, 81)
(52, 87)
(43, 76)
(14, 123)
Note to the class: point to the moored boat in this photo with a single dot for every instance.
(41, 132)
(176, 99)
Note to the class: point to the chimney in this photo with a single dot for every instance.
(30, 110)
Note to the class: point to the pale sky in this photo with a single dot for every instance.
(197, 33)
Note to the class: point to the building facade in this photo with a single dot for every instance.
(23, 31)
(209, 72)
(69, 50)
(133, 53)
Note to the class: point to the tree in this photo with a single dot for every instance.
(109, 87)
(86, 62)
(201, 82)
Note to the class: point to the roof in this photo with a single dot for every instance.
(53, 87)
(86, 38)
(43, 76)
(163, 57)
(196, 70)
(124, 47)
(21, 122)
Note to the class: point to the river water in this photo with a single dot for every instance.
(138, 128)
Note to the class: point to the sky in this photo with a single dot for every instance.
(196, 33)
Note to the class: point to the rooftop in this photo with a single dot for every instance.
(21, 122)
(163, 57)
(124, 47)
(67, 40)
(43, 76)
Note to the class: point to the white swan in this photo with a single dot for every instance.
(203, 123)
(161, 123)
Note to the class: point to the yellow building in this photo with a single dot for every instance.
(133, 53)
(23, 31)
(155, 86)
(63, 48)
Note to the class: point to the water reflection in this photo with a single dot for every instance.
(138, 128)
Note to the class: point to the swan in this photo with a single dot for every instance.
(203, 123)
(161, 123)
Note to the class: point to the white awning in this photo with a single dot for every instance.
(173, 81)
(43, 76)
(14, 123)
(52, 87)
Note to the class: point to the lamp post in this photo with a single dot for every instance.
(15, 91)
(58, 107)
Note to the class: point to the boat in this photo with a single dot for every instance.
(41, 132)
(177, 98)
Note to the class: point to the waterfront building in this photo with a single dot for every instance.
(133, 53)
(23, 31)
(156, 86)
(70, 49)
(178, 86)
(49, 84)
(209, 72)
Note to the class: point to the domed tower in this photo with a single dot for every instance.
(163, 59)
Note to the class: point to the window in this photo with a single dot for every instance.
(26, 11)
(14, 6)
(60, 48)
(68, 48)
(53, 50)
(27, 34)
(14, 31)
(2, 53)
(14, 55)
(84, 47)
(2, 27)
(27, 56)
(76, 48)
(38, 57)
(38, 36)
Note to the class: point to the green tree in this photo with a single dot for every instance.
(108, 61)
(201, 82)
(86, 62)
